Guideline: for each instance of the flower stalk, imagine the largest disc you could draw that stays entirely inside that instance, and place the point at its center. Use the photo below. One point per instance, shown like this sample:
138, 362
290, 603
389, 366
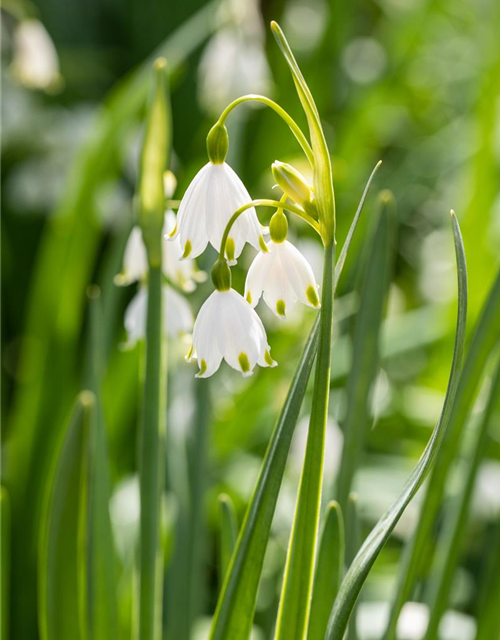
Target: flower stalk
153, 165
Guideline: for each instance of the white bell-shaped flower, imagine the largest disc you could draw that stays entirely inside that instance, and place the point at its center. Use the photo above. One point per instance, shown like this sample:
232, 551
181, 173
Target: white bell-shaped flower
284, 276
227, 327
215, 193
35, 63
183, 273
177, 316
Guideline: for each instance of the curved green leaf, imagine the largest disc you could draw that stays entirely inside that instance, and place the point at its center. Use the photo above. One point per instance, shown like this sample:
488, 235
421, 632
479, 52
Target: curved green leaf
368, 553
329, 572
448, 549
485, 337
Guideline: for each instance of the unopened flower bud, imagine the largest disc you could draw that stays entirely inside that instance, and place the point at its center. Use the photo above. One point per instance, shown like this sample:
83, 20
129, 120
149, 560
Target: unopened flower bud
292, 182
278, 227
217, 143
221, 275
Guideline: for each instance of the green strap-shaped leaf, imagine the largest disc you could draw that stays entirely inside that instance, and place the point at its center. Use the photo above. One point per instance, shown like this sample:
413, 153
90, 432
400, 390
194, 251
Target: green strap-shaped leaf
486, 336
228, 532
448, 549
5, 563
375, 284
329, 572
235, 609
488, 618
368, 553
62, 549
353, 543
100, 561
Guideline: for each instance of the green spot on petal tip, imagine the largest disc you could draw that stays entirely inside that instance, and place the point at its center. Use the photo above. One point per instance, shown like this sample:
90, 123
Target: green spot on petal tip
187, 249
312, 296
244, 362
280, 308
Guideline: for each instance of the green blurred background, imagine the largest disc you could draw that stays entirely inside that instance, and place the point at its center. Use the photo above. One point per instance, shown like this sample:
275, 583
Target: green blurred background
412, 82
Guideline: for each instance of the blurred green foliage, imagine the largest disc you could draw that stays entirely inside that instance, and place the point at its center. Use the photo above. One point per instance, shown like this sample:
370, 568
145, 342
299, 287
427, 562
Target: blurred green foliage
414, 83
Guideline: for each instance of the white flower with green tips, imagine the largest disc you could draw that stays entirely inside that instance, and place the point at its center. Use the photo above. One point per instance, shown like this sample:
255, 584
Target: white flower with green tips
177, 315
282, 274
228, 328
213, 196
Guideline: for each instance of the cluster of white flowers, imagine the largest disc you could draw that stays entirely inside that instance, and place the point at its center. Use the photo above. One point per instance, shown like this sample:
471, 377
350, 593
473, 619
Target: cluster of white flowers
217, 209
227, 326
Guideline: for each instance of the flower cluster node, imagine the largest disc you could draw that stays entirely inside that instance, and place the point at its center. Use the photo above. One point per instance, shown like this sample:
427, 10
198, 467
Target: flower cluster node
221, 275
217, 143
278, 227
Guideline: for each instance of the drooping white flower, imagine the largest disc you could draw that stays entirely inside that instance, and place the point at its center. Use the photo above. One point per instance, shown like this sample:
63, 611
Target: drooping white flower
35, 63
177, 316
284, 276
215, 193
227, 327
183, 273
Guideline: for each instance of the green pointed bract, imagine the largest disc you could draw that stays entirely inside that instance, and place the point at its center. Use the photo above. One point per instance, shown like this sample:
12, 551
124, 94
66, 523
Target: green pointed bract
291, 182
154, 162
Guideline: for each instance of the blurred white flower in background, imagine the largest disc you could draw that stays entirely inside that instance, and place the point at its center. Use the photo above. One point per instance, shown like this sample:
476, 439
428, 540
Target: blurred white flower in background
234, 61
35, 63
177, 316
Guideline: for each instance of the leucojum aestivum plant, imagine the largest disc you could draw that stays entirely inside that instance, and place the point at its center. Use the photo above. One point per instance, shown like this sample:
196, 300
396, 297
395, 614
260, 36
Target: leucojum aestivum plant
320, 583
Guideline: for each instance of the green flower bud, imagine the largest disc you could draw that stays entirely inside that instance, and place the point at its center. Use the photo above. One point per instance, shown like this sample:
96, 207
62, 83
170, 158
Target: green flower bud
278, 227
292, 182
217, 143
221, 275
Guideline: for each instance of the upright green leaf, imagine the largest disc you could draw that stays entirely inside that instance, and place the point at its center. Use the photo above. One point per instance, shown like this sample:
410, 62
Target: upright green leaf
235, 609
448, 549
62, 549
328, 573
228, 533
100, 562
373, 294
372, 546
485, 337
488, 617
5, 522
353, 543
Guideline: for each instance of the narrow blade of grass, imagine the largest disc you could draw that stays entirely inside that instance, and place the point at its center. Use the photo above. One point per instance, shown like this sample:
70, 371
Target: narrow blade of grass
5, 563
374, 288
448, 549
488, 618
353, 544
483, 341
228, 533
61, 564
235, 609
372, 546
329, 572
101, 569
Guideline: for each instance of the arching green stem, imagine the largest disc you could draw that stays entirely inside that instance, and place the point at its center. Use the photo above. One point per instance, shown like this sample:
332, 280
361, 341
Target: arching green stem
294, 127
279, 204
